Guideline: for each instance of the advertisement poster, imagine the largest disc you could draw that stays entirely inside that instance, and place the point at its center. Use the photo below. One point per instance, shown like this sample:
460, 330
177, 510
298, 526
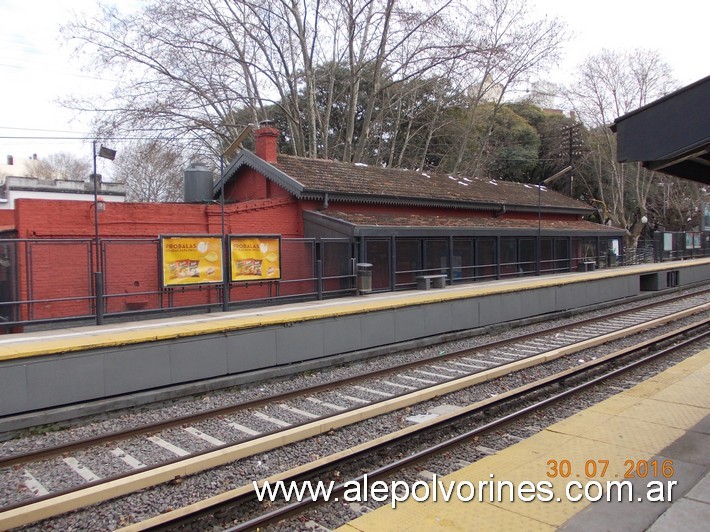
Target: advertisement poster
255, 258
191, 260
667, 241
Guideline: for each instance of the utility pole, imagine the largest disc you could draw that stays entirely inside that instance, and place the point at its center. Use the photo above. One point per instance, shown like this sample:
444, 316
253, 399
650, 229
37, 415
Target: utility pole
573, 146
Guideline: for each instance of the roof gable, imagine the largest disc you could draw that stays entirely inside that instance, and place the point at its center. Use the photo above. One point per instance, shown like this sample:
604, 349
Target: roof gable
250, 160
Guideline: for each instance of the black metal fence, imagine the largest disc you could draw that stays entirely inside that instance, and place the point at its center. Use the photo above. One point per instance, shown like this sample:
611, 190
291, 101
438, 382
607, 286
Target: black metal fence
50, 281
44, 282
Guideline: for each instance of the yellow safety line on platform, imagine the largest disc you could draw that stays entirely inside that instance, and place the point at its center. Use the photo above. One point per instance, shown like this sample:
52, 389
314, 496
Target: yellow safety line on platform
94, 337
630, 427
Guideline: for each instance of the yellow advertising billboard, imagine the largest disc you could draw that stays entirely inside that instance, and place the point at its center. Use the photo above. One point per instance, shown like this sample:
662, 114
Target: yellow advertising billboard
191, 260
255, 258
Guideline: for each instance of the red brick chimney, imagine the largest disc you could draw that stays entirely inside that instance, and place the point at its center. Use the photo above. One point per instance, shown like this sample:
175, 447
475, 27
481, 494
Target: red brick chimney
266, 138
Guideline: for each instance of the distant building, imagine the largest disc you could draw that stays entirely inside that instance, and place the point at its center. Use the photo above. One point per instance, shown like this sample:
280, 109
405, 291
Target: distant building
13, 188
18, 167
492, 92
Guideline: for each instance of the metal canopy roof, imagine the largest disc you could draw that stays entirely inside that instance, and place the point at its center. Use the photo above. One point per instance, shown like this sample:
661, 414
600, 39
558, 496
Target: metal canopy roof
334, 224
670, 135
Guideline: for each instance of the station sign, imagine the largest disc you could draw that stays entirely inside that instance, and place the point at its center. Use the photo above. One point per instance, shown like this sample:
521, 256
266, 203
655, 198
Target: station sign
255, 257
191, 259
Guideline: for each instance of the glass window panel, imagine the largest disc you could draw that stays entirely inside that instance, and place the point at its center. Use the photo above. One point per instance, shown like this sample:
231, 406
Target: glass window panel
436, 256
409, 260
508, 256
561, 254
527, 254
377, 252
463, 258
485, 258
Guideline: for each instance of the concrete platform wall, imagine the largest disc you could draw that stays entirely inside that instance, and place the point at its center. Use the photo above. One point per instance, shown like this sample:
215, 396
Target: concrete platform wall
53, 380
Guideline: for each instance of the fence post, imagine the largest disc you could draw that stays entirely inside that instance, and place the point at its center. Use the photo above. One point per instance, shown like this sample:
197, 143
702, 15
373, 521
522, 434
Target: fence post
99, 285
99, 288
319, 278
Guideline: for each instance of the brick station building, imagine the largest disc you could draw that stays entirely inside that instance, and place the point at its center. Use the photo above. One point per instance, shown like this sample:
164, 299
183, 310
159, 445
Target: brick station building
404, 223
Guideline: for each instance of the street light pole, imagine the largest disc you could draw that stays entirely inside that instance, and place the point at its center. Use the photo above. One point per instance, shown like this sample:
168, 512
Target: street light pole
546, 181
225, 248
98, 274
106, 153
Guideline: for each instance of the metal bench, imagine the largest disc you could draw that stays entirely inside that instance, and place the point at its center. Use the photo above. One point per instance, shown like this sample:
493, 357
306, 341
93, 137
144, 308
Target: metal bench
425, 282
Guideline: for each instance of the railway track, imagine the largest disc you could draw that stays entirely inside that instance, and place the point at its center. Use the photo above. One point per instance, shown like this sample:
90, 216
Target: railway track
426, 371
275, 421
511, 407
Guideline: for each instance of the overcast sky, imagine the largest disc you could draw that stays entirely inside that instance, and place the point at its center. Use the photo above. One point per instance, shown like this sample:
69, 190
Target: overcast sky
36, 70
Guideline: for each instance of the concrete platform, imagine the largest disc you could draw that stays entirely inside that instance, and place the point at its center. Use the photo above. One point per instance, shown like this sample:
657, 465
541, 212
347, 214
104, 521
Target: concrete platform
60, 368
663, 421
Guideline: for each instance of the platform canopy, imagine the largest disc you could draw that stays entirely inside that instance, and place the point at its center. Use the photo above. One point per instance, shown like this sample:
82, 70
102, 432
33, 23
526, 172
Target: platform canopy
331, 223
670, 135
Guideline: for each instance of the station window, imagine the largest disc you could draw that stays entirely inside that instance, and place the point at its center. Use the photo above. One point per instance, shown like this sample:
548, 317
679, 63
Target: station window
546, 256
336, 257
561, 255
409, 261
508, 257
463, 259
436, 256
485, 258
526, 255
577, 251
377, 252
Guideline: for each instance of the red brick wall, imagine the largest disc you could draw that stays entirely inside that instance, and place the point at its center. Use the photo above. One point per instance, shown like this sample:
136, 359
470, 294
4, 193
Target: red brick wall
75, 219
129, 234
275, 191
251, 185
7, 217
60, 271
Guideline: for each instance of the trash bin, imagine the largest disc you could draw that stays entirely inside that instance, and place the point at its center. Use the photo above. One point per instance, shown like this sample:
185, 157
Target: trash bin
364, 277
610, 259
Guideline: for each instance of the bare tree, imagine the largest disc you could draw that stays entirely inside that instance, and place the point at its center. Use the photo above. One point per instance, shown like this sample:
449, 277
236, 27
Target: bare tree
189, 68
152, 172
61, 166
182, 75
513, 48
675, 204
608, 85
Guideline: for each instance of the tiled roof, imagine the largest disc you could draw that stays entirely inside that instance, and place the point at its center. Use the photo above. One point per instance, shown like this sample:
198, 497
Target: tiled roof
385, 220
372, 183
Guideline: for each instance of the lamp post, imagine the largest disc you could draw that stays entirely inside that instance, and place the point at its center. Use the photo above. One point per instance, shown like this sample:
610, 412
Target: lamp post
105, 153
546, 181
225, 249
